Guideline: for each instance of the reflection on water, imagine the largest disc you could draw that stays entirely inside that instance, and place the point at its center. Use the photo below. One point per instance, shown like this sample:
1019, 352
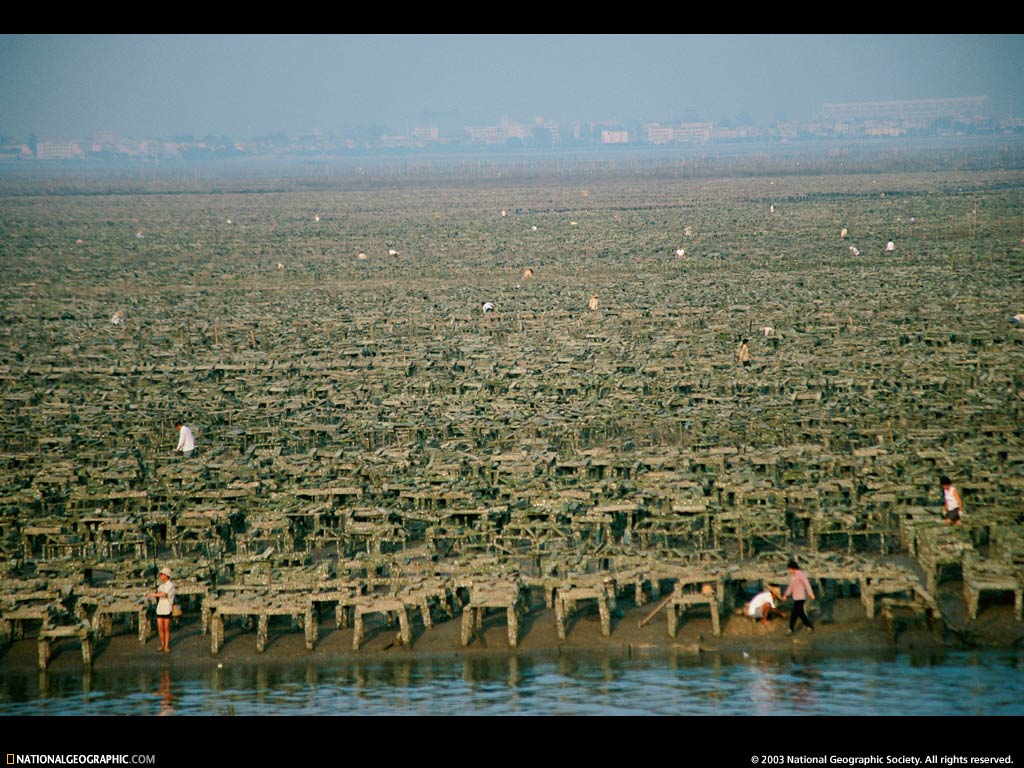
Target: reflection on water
166, 694
985, 683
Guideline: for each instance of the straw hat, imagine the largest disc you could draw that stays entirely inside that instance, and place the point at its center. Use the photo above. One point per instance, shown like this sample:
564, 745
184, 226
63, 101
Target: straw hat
165, 571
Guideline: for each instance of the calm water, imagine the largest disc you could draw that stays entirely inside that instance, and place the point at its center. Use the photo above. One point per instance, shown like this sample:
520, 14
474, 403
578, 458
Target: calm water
962, 683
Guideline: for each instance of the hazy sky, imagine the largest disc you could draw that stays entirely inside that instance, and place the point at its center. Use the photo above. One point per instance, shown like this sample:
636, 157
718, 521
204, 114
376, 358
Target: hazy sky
253, 85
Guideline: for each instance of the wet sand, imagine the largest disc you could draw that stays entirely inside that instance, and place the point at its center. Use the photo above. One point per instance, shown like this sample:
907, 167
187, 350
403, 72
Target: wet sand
841, 626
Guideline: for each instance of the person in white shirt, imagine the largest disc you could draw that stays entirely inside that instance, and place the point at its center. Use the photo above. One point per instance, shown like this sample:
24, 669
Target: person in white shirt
952, 504
164, 596
764, 605
186, 441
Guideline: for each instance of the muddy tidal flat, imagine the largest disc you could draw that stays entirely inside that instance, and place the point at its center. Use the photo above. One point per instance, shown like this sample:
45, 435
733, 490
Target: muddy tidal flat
383, 467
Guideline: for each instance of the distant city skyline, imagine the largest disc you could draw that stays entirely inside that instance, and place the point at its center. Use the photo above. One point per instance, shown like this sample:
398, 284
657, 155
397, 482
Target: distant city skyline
245, 86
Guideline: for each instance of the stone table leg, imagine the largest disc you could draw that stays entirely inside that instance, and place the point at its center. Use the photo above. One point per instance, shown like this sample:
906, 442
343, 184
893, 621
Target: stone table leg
513, 626
103, 625
357, 636
143, 626
86, 651
44, 652
971, 598
560, 612
404, 626
262, 630
312, 629
216, 633
606, 616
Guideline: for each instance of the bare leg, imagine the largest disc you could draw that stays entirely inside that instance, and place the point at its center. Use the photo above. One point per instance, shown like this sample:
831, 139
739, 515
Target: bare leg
164, 629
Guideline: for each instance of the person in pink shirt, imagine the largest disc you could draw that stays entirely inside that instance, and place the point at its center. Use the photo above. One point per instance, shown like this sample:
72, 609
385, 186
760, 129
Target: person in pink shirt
800, 591
952, 504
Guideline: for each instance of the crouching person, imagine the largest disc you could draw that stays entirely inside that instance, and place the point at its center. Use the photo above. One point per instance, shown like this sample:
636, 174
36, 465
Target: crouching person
765, 605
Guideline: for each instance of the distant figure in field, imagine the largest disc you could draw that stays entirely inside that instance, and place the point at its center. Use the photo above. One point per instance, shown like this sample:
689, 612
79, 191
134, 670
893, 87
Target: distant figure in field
486, 307
767, 330
743, 356
527, 273
186, 441
842, 233
680, 252
593, 303
1017, 319
118, 318
952, 504
764, 605
890, 247
800, 590
854, 251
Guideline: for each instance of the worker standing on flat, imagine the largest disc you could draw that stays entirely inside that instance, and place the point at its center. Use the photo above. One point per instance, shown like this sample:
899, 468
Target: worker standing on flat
743, 356
800, 591
186, 441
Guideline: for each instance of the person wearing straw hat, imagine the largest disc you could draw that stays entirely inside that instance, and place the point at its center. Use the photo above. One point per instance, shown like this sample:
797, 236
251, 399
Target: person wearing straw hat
165, 605
765, 604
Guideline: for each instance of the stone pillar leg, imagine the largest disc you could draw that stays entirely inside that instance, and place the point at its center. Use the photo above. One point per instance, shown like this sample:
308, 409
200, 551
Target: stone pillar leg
216, 633
513, 626
357, 636
312, 629
404, 626
144, 629
44, 652
262, 630
560, 617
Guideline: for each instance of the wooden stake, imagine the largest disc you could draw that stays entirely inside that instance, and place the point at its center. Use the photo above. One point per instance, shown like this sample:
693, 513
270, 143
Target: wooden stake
654, 613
